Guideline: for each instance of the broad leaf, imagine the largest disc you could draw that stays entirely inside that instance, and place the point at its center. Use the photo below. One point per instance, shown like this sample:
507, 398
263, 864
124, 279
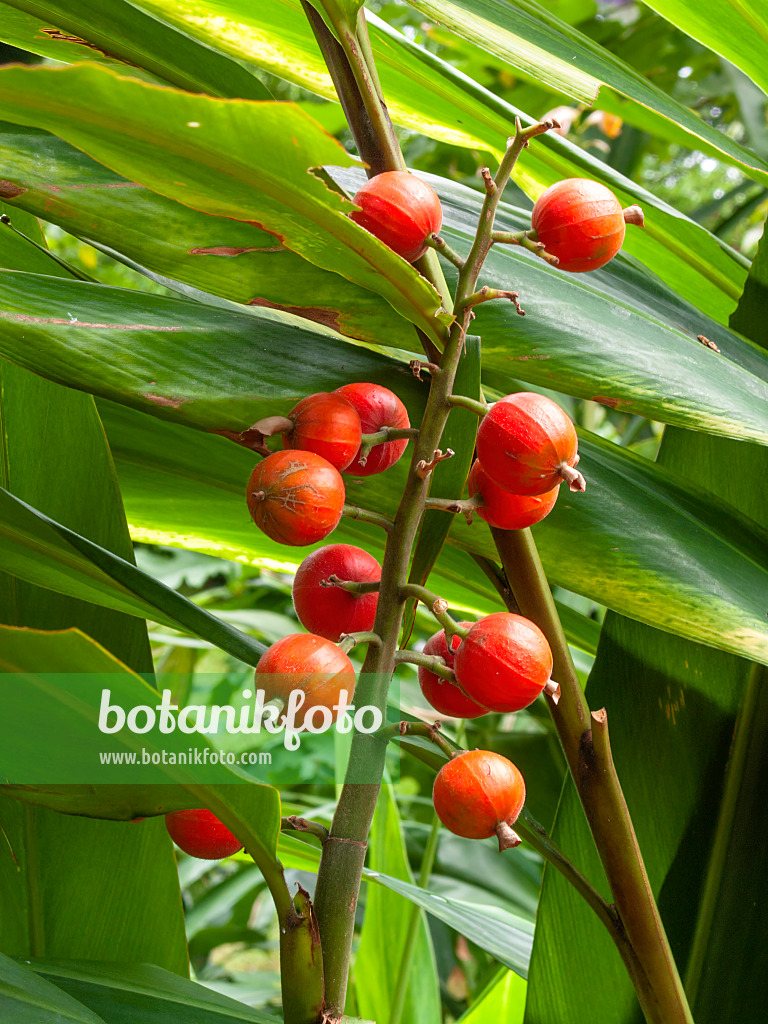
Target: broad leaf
129, 993
200, 151
26, 998
503, 999
379, 957
113, 32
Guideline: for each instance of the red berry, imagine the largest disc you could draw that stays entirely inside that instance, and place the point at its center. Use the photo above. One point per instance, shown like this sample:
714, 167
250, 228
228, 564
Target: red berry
401, 210
505, 510
295, 497
326, 424
330, 611
527, 445
503, 662
377, 407
579, 221
303, 661
200, 834
477, 793
441, 693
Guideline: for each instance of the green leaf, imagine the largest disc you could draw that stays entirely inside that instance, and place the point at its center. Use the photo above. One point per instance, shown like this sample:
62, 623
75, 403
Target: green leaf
27, 999
179, 359
129, 993
737, 31
503, 999
41, 551
429, 96
199, 150
385, 926
215, 254
120, 34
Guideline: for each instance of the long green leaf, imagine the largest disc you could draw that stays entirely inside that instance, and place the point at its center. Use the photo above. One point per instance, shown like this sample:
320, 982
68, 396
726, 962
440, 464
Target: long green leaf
26, 998
429, 96
129, 993
736, 29
201, 151
116, 33
41, 551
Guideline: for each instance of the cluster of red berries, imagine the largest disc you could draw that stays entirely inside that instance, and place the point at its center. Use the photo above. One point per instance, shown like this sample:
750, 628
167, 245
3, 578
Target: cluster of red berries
296, 496
526, 447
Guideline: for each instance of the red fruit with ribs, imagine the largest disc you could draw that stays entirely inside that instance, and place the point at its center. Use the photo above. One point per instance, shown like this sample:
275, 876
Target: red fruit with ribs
326, 424
505, 510
582, 223
442, 694
479, 794
504, 662
331, 611
377, 407
528, 445
399, 209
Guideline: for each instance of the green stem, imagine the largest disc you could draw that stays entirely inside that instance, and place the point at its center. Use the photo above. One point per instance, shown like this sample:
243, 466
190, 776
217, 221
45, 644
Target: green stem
528, 240
480, 408
440, 246
365, 515
351, 640
414, 922
433, 662
436, 604
429, 732
584, 739
350, 586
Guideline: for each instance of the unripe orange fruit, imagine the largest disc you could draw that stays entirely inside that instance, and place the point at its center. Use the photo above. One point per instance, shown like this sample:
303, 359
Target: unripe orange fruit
504, 510
326, 424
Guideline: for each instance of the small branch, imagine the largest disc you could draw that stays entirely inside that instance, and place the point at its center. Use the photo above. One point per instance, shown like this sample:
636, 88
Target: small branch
480, 408
417, 365
488, 182
350, 586
499, 580
486, 294
433, 662
458, 506
349, 641
437, 605
366, 516
440, 246
429, 732
526, 239
293, 823
370, 441
424, 467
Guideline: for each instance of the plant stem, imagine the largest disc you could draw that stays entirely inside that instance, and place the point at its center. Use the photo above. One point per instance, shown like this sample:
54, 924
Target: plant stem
414, 920
584, 738
429, 732
365, 515
431, 661
480, 408
350, 586
436, 604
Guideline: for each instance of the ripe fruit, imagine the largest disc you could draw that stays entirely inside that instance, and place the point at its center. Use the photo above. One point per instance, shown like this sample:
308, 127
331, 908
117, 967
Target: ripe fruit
330, 611
200, 834
505, 510
527, 445
399, 209
582, 223
303, 661
479, 793
295, 497
503, 662
441, 693
377, 407
326, 424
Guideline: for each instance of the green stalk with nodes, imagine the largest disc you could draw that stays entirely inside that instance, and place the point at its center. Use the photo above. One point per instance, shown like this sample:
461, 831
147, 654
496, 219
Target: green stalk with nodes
633, 922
